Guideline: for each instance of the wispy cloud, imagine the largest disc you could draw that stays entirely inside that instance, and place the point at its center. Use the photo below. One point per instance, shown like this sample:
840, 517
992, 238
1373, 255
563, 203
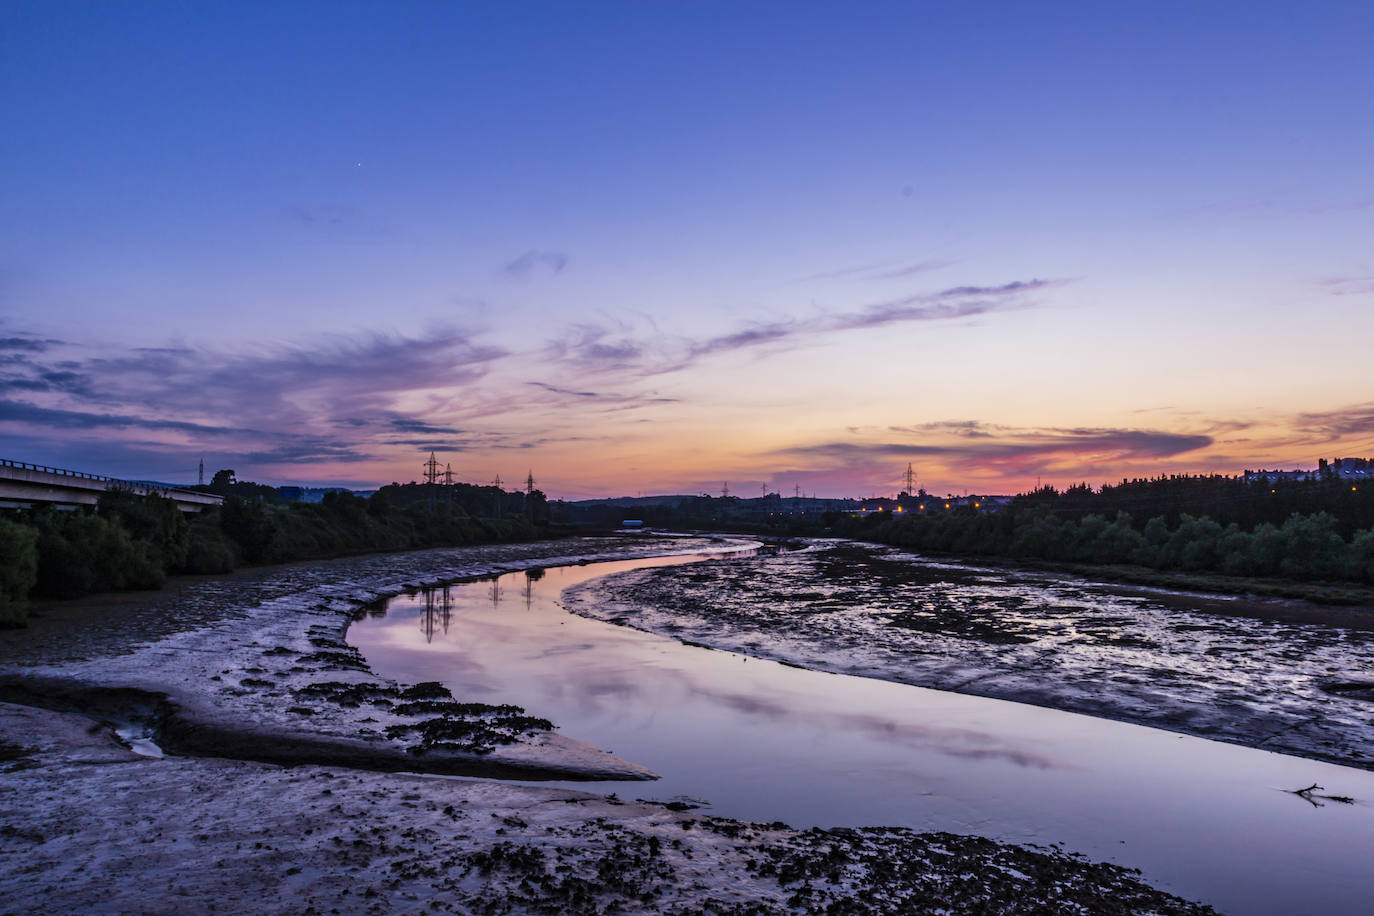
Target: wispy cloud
554, 389
910, 270
535, 261
883, 270
602, 401
861, 269
593, 348
1355, 420
1349, 286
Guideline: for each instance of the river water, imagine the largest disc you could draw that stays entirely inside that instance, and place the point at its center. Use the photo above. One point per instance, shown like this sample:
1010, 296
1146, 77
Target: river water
758, 740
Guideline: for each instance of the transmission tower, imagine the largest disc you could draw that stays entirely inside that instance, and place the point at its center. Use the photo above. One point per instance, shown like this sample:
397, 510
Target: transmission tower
200, 480
910, 479
725, 490
796, 492
529, 484
448, 475
497, 484
432, 469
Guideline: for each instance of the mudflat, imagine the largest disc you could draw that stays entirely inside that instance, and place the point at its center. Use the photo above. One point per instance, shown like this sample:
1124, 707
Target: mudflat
1275, 674
259, 657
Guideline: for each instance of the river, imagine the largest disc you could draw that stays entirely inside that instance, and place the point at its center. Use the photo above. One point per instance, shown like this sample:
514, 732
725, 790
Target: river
758, 740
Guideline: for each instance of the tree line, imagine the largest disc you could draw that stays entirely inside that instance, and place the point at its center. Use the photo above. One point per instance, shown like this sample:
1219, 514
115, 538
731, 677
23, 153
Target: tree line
135, 542
1304, 547
1309, 530
1244, 501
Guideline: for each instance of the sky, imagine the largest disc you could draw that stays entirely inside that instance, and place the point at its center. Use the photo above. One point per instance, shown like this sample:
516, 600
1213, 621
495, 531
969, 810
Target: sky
656, 247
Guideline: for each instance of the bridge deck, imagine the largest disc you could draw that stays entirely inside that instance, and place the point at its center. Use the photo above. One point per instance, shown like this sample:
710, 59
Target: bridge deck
23, 484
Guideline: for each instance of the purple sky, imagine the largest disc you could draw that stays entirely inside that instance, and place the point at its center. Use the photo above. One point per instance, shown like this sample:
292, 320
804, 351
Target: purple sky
655, 247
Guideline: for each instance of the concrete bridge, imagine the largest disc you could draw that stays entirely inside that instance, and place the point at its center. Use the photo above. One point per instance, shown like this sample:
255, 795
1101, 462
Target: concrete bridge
23, 485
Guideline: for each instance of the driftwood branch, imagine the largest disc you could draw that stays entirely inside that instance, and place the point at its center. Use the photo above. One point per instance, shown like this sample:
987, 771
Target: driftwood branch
1308, 795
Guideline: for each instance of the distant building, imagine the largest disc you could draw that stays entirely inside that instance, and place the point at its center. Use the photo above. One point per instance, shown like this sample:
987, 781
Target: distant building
1337, 469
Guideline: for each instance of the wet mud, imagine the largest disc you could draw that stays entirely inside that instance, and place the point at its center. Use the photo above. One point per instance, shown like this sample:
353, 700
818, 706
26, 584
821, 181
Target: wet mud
87, 826
1238, 670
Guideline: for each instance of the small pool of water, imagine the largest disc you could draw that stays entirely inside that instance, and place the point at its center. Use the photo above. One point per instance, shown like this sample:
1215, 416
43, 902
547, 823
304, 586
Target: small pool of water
139, 739
762, 741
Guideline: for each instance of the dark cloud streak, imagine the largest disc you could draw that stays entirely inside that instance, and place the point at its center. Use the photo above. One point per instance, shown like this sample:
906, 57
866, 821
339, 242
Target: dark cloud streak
52, 418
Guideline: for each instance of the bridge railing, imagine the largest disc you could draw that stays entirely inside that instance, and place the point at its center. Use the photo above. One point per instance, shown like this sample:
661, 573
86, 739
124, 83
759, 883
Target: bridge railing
100, 478
26, 466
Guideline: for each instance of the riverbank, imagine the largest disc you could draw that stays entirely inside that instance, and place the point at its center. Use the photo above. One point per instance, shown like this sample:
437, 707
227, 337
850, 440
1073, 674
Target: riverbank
1330, 597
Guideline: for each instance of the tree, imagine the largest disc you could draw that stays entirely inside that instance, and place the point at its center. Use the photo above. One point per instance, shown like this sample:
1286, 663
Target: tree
18, 571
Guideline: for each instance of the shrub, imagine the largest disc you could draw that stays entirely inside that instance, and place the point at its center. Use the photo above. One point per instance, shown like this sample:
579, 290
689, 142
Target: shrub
153, 520
79, 554
208, 548
18, 571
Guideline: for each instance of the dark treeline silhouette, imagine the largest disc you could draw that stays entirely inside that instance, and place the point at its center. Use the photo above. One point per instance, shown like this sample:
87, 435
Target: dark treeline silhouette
476, 500
1304, 530
135, 542
1304, 547
1258, 526
1226, 500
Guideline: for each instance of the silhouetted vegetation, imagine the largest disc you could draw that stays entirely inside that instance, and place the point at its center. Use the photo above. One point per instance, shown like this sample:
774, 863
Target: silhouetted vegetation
1253, 527
80, 553
1225, 500
135, 542
18, 571
1303, 548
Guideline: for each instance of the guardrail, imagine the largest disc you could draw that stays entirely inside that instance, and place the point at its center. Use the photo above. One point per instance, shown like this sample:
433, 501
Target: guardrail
101, 478
26, 466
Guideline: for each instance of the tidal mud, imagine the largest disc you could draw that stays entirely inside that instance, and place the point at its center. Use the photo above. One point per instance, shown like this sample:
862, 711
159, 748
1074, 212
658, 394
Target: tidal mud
1250, 672
88, 826
255, 667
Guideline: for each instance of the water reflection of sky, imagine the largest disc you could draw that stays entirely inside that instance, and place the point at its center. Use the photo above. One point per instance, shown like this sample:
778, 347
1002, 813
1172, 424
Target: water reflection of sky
765, 741
1185, 663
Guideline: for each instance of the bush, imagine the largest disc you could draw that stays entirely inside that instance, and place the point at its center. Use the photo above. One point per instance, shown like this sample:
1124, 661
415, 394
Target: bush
1360, 558
18, 571
1314, 548
250, 527
208, 548
79, 554
153, 520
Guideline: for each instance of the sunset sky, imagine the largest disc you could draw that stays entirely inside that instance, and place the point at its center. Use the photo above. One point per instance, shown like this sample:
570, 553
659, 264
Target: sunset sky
652, 247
